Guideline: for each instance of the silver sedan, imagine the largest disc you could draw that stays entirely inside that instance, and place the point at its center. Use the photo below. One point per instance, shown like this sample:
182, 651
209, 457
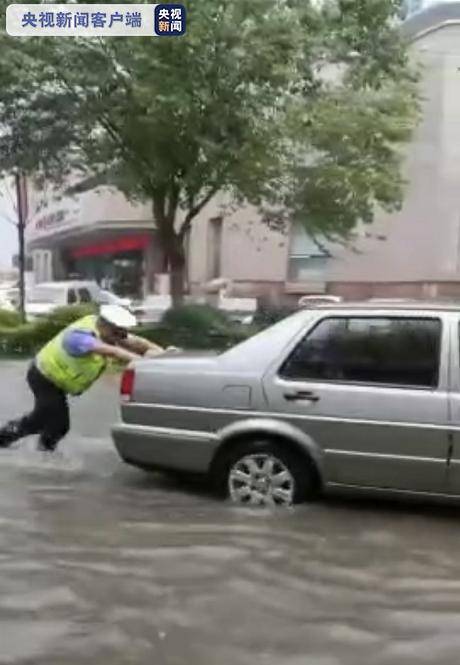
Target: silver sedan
354, 398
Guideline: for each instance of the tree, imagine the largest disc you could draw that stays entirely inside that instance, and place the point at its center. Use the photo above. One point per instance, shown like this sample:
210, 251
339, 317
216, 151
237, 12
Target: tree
18, 218
298, 108
21, 203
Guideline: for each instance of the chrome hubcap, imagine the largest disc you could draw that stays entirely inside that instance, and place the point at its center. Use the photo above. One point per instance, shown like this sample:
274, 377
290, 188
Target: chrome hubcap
261, 480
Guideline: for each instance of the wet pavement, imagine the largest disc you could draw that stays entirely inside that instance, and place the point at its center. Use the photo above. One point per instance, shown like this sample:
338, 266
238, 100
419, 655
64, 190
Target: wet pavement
100, 563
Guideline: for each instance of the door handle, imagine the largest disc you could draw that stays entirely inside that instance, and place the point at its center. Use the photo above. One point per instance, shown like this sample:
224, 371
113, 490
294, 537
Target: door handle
301, 395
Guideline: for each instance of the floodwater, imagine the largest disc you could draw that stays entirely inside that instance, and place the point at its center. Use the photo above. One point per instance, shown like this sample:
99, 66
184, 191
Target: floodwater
102, 564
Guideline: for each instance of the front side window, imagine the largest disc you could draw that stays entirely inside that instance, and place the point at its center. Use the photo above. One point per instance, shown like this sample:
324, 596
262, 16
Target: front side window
393, 351
71, 297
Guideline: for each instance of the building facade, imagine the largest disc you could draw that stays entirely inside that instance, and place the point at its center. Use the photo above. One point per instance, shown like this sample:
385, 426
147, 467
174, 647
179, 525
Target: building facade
416, 252
412, 253
237, 245
97, 235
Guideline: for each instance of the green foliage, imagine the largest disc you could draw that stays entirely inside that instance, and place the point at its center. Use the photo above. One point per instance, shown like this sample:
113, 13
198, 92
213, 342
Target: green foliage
64, 316
196, 327
47, 327
185, 338
297, 107
9, 319
27, 338
200, 319
190, 327
18, 341
267, 316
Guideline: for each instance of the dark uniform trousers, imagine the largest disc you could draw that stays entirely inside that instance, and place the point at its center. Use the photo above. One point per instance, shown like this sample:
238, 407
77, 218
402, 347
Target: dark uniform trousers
49, 418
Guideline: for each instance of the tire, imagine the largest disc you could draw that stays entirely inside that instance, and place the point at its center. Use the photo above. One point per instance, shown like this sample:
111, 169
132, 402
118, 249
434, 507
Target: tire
265, 472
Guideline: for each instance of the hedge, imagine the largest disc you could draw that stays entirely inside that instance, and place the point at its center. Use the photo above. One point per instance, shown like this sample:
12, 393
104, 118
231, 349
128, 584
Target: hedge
9, 319
191, 326
267, 316
26, 338
197, 327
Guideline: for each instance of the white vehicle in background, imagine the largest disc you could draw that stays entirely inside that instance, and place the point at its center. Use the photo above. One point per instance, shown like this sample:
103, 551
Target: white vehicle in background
152, 308
43, 298
109, 298
6, 301
7, 290
240, 310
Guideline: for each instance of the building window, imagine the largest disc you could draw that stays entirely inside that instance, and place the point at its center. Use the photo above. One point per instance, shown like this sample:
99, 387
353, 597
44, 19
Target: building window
307, 258
215, 247
42, 266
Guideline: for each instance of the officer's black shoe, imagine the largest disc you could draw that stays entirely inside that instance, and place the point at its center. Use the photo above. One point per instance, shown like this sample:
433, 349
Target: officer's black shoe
45, 446
9, 433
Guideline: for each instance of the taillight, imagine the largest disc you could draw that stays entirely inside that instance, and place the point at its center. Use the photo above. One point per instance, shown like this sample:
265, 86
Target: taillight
127, 385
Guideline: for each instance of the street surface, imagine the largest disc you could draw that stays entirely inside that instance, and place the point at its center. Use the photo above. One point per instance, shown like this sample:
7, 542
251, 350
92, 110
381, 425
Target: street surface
105, 565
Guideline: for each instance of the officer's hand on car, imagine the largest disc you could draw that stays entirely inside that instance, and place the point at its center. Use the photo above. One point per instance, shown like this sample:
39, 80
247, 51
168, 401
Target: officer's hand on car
155, 354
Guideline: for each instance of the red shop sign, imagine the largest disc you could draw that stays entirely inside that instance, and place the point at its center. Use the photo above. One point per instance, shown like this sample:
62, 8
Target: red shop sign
116, 246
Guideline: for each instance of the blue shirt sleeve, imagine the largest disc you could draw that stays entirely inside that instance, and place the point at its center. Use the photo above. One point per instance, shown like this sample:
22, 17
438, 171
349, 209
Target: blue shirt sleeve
79, 343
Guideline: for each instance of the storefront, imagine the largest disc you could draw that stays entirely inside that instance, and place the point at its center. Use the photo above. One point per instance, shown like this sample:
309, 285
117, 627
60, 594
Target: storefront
118, 264
97, 235
122, 257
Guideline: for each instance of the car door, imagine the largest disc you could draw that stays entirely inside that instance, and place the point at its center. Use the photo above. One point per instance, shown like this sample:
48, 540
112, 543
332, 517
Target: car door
104, 298
372, 392
454, 410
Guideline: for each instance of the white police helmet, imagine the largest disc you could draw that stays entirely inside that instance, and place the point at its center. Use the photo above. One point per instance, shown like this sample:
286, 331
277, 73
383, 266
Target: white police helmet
117, 316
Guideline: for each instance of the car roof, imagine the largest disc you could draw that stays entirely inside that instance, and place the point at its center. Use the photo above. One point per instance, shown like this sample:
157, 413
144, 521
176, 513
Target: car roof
382, 305
60, 285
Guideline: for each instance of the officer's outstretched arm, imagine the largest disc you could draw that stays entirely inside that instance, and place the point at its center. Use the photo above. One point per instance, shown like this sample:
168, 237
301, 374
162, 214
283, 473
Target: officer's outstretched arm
115, 352
140, 345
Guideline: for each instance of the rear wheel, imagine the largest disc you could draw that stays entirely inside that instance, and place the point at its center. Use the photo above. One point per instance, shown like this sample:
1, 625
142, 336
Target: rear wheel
266, 473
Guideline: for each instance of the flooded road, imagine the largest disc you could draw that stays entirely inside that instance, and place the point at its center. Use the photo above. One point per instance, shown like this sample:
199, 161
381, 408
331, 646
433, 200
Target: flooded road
102, 564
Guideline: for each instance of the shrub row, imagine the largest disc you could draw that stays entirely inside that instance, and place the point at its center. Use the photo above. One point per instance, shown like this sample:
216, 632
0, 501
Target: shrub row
267, 316
25, 339
9, 319
197, 327
191, 326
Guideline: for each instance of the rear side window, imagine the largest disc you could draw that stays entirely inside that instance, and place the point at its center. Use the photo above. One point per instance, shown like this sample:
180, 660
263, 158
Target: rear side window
85, 295
384, 351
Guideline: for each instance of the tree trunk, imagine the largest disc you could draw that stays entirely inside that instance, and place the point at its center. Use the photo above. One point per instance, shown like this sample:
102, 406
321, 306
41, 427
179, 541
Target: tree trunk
21, 211
176, 261
172, 244
177, 277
